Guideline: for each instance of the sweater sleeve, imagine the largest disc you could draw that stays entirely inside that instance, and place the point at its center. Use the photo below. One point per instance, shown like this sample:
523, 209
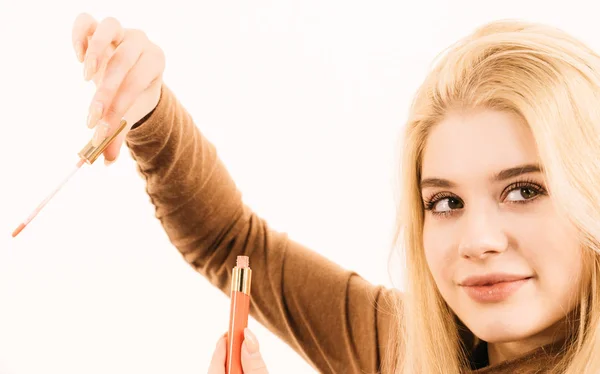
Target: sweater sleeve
332, 317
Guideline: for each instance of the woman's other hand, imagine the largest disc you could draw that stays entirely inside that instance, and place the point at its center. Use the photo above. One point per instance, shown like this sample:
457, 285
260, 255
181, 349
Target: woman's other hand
252, 361
127, 70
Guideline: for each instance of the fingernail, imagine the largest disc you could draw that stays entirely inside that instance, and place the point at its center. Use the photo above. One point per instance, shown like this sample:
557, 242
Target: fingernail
94, 115
250, 342
222, 340
108, 162
100, 134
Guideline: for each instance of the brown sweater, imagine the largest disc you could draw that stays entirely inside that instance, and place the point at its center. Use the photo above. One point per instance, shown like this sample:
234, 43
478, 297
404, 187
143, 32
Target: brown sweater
332, 317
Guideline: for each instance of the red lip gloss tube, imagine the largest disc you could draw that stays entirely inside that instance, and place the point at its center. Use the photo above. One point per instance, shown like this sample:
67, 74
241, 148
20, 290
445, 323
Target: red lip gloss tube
238, 314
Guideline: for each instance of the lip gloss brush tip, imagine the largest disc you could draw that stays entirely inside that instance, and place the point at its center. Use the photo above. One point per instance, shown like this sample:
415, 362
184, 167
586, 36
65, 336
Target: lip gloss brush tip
18, 230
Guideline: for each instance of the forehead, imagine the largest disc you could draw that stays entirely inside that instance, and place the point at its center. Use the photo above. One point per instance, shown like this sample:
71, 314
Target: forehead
477, 143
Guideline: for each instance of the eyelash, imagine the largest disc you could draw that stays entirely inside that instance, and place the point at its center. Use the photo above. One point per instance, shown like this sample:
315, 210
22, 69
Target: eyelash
431, 201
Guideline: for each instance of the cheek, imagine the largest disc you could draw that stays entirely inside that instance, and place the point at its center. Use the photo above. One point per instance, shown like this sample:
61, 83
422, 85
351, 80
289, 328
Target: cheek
440, 252
550, 246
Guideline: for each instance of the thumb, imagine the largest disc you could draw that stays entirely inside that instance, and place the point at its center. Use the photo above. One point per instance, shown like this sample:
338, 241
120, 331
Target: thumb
217, 363
112, 151
252, 361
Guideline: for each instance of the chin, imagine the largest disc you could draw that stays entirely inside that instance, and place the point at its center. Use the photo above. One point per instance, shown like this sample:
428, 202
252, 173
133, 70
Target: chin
507, 326
500, 332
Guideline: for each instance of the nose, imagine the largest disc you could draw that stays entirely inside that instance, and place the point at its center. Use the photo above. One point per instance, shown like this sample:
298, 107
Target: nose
483, 234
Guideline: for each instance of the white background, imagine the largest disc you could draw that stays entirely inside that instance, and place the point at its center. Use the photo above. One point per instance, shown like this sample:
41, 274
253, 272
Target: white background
304, 100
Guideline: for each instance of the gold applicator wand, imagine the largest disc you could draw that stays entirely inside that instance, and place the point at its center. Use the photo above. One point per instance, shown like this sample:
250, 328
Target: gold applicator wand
87, 155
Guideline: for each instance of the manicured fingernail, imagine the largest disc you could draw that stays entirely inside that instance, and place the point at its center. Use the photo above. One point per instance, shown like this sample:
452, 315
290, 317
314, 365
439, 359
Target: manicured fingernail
94, 115
108, 162
79, 51
221, 341
250, 342
100, 134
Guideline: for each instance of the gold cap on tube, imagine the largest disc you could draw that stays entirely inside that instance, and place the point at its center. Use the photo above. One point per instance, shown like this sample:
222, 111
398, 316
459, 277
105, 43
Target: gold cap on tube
242, 275
89, 153
241, 280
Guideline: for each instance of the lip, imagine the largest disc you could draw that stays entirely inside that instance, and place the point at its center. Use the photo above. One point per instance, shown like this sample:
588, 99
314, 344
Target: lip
493, 287
491, 279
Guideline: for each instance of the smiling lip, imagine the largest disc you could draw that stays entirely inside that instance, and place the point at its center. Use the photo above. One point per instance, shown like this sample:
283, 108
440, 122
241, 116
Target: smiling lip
493, 287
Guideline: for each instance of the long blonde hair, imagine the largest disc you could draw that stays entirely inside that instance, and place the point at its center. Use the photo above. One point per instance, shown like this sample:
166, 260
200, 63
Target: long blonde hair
552, 81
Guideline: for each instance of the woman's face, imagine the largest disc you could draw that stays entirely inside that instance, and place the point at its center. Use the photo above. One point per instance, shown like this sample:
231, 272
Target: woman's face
504, 259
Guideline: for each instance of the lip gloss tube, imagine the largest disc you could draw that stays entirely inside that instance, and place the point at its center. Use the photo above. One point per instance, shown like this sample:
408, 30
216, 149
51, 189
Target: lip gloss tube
238, 314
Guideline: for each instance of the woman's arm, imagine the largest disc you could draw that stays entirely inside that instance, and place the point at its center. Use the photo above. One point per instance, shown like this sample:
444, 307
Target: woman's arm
332, 317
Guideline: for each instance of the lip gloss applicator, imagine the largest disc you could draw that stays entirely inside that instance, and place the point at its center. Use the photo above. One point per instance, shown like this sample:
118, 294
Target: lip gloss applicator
87, 155
238, 316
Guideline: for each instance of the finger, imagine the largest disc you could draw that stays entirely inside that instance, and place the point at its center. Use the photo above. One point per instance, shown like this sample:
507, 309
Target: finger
144, 74
217, 363
113, 150
121, 62
108, 32
252, 361
83, 28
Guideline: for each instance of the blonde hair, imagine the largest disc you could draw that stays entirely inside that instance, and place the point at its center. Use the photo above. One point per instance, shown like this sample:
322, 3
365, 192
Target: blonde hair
551, 81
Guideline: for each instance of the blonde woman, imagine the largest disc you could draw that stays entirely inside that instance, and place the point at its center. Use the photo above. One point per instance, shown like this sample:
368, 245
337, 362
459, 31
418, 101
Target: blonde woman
498, 215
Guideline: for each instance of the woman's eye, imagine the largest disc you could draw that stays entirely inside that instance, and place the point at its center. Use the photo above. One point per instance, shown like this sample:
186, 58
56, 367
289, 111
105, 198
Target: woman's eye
447, 204
521, 194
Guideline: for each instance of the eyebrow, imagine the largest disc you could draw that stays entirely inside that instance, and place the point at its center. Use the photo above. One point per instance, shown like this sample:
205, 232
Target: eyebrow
500, 176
